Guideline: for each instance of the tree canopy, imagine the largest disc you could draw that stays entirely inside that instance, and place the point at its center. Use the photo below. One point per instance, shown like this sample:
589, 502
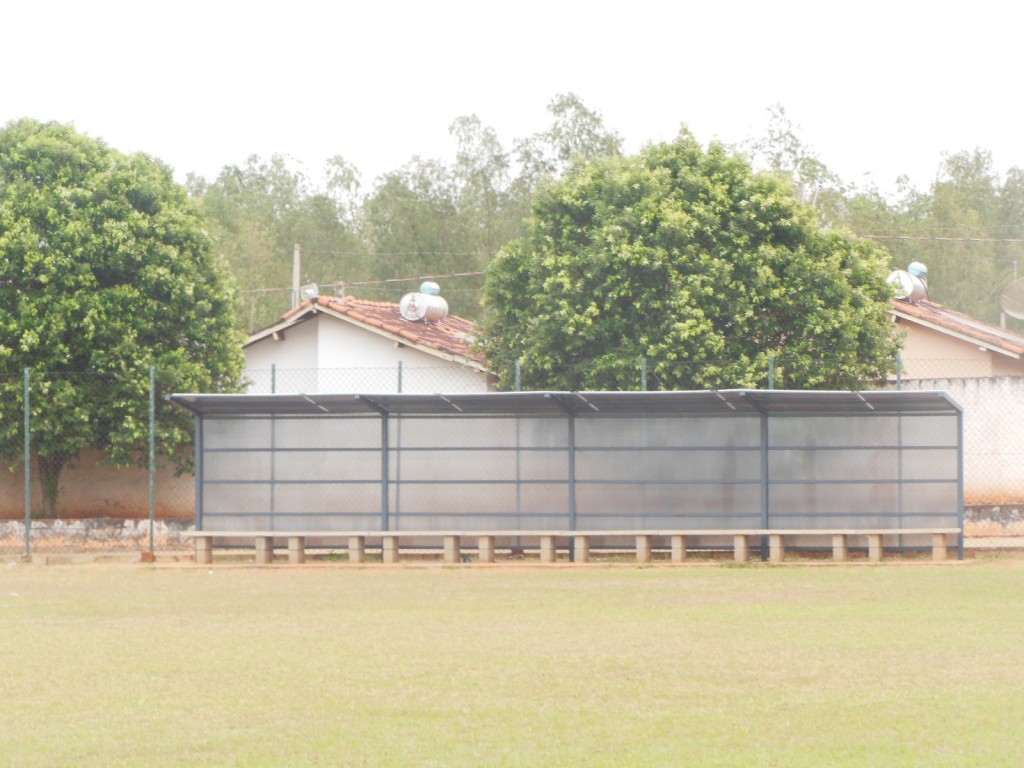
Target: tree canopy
105, 270
689, 260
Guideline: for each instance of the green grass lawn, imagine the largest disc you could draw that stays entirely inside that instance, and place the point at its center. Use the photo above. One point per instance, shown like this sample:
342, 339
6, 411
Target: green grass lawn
711, 665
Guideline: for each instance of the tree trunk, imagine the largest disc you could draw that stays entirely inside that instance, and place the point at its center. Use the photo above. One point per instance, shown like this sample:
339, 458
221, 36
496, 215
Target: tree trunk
49, 481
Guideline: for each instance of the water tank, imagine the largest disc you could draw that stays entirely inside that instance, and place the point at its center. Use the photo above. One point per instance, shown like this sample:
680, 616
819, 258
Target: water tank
423, 308
907, 287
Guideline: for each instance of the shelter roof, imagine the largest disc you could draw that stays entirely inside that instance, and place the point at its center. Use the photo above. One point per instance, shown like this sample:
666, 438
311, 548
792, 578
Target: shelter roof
545, 404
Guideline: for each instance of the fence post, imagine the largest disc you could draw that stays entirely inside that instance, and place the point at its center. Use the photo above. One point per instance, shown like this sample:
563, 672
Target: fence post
273, 378
152, 454
399, 377
771, 371
899, 371
28, 465
643, 374
519, 374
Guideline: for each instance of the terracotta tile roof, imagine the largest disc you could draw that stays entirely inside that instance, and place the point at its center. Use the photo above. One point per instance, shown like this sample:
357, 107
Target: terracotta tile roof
959, 324
451, 336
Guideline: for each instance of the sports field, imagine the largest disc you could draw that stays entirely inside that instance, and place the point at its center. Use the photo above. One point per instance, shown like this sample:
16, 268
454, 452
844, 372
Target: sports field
706, 665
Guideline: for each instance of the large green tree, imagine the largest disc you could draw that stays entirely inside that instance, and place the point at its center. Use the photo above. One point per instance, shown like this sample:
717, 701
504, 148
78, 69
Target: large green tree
688, 259
105, 270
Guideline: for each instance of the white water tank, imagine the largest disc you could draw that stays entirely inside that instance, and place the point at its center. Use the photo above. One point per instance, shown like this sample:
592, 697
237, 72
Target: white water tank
423, 308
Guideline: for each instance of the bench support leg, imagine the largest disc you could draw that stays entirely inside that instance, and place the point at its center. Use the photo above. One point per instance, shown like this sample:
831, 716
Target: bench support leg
204, 550
547, 549
581, 550
296, 549
740, 548
776, 548
264, 550
939, 546
357, 549
643, 549
678, 548
452, 549
389, 550
485, 549
875, 547
840, 552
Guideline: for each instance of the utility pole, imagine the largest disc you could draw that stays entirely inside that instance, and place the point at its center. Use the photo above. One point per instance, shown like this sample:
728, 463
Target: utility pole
296, 272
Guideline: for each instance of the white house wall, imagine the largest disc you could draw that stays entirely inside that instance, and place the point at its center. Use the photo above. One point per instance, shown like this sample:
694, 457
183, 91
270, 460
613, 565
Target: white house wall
328, 354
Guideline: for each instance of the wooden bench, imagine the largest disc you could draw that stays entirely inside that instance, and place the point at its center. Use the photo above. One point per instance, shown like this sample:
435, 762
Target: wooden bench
452, 542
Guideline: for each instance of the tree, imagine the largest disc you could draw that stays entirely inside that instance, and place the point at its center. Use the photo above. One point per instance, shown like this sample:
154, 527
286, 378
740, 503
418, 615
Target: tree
688, 259
259, 211
105, 270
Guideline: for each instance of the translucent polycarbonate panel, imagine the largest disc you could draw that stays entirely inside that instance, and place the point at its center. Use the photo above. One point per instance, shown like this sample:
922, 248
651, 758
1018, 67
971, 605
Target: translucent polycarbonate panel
834, 465
348, 523
236, 433
326, 498
638, 465
939, 429
936, 464
248, 521
834, 431
671, 431
469, 522
237, 465
477, 498
932, 498
233, 498
697, 502
325, 466
828, 499
478, 465
461, 432
324, 433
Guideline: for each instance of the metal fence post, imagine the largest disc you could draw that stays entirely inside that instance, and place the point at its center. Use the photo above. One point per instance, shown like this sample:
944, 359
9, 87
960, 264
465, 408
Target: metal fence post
519, 374
152, 455
399, 377
771, 371
273, 378
899, 371
643, 374
28, 467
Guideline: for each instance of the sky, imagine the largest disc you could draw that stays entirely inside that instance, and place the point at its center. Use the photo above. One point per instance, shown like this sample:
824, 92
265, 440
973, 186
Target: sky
877, 89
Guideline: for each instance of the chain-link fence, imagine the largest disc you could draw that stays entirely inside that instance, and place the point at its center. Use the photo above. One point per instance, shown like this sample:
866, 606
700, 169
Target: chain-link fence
94, 462
84, 478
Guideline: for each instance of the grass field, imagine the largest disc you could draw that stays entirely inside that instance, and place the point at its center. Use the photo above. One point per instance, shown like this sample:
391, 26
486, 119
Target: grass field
712, 665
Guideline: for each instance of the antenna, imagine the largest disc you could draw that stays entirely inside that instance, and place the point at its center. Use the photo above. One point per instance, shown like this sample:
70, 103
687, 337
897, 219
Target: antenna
1012, 300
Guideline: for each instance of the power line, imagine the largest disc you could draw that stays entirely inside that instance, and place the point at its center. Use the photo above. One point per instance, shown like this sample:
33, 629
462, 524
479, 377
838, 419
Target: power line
343, 284
936, 238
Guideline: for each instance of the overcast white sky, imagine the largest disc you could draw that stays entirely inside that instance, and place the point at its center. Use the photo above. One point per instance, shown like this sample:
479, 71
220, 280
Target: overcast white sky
879, 89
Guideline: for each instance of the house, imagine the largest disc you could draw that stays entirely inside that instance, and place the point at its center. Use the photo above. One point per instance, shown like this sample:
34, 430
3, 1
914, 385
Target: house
345, 344
942, 343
